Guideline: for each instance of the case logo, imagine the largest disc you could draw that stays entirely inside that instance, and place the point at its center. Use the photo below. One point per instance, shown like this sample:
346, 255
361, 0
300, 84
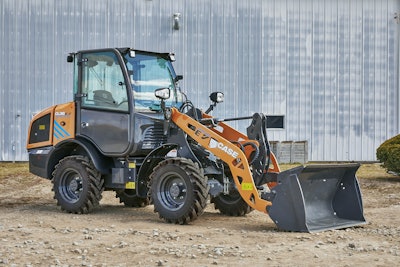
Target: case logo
215, 144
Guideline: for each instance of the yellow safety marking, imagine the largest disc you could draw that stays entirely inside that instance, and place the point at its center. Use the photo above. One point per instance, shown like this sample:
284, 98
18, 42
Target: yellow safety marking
132, 165
130, 185
247, 186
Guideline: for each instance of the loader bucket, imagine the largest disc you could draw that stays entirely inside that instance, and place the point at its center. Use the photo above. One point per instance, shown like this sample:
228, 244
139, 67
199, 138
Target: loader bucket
317, 198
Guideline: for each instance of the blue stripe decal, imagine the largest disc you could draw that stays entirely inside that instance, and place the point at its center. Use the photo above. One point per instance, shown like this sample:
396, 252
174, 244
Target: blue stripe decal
62, 129
59, 131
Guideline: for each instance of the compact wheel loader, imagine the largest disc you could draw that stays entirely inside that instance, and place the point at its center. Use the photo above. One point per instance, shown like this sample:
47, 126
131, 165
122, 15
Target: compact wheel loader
130, 129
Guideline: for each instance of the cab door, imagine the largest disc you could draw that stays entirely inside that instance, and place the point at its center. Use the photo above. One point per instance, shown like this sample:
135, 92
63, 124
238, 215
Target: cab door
102, 102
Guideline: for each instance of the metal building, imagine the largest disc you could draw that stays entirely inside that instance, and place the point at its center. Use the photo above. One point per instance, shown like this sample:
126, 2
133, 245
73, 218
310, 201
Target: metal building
330, 67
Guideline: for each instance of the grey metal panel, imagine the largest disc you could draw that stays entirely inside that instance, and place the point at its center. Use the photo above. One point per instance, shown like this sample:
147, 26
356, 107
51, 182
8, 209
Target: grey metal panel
331, 67
343, 100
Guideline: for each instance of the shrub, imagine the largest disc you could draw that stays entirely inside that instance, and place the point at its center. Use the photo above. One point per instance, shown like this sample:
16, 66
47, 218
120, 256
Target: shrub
389, 154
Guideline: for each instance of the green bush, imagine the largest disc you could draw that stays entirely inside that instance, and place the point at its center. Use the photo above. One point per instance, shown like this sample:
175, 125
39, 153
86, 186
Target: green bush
389, 154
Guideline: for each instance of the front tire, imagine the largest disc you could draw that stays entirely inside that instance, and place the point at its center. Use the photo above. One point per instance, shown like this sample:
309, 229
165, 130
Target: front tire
77, 185
178, 190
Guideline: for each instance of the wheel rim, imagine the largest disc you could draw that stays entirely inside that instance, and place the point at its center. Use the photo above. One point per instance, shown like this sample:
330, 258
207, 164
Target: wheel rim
71, 185
172, 191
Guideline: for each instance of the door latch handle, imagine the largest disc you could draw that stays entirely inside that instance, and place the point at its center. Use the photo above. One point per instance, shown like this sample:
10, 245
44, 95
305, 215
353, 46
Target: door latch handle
80, 95
84, 124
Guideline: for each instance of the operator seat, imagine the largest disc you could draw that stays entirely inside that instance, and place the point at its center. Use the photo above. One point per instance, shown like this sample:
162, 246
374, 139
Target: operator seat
103, 98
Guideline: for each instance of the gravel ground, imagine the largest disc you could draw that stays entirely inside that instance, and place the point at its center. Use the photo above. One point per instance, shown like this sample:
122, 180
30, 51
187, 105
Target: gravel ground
34, 232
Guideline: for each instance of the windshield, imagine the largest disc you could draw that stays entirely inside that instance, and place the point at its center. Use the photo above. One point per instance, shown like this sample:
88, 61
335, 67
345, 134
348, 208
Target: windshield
150, 72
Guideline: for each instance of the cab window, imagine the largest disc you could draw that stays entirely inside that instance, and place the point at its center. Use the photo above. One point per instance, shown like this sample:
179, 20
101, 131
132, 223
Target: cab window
147, 73
102, 82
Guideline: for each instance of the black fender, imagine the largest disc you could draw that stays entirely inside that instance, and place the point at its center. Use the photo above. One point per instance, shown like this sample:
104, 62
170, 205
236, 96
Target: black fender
149, 163
79, 147
177, 140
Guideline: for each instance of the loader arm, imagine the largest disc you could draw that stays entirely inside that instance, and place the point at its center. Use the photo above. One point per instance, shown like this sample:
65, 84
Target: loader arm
227, 151
231, 134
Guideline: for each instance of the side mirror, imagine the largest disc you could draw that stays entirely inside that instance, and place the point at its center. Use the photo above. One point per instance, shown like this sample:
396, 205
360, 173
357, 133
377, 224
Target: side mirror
162, 93
178, 78
217, 97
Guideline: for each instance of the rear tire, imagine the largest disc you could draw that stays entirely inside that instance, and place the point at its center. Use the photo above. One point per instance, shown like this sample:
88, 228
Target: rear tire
129, 198
231, 205
77, 185
178, 190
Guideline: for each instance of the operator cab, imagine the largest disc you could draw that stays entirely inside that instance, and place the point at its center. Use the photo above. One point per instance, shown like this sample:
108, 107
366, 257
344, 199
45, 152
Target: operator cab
117, 110
108, 78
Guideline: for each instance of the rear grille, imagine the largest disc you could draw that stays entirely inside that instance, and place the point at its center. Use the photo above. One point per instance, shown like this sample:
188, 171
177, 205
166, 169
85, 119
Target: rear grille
40, 130
154, 137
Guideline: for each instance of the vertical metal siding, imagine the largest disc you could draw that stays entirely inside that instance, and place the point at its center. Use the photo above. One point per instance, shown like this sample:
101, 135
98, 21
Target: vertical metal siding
331, 67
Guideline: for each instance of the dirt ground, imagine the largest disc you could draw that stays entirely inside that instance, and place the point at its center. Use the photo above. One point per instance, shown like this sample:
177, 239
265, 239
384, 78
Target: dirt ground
34, 232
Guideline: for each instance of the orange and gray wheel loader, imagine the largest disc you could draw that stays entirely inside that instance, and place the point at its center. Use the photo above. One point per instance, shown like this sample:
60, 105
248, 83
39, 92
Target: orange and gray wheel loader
130, 129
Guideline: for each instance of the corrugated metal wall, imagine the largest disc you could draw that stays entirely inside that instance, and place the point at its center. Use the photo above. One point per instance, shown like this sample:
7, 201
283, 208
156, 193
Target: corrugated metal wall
331, 67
